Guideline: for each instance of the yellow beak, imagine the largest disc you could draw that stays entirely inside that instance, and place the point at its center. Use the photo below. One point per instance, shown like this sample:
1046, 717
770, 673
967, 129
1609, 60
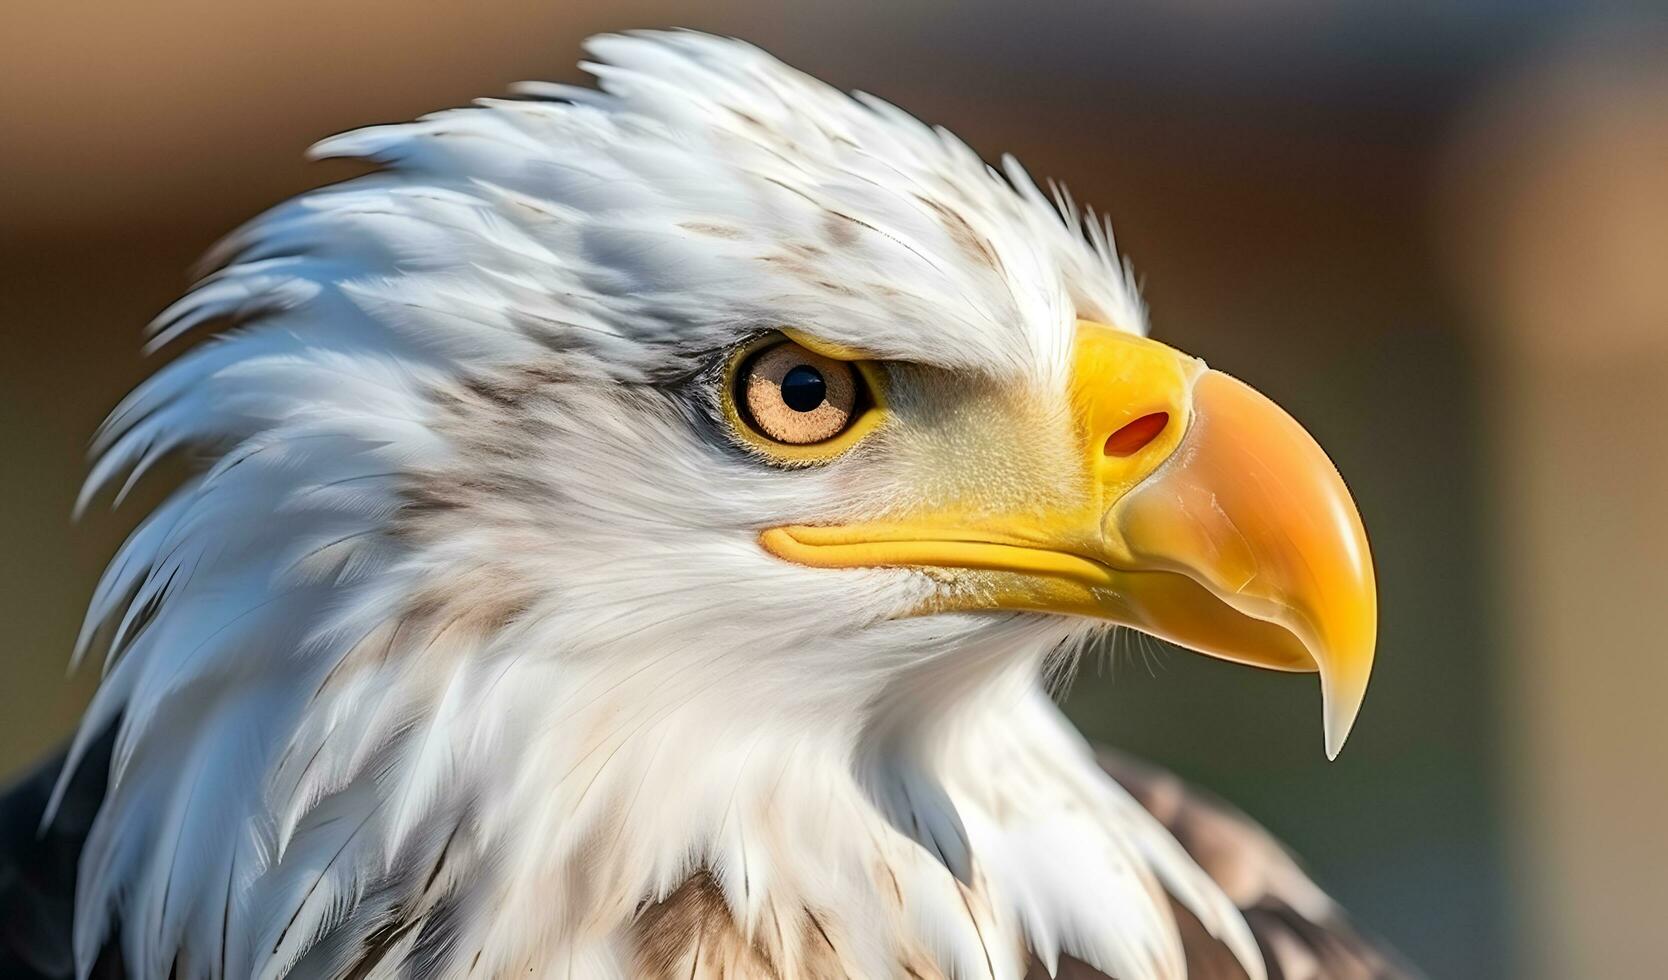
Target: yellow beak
1207, 517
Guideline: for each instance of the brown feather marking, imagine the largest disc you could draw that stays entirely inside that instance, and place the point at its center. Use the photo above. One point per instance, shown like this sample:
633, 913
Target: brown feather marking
691, 933
976, 246
690, 924
841, 233
816, 923
1260, 877
712, 230
819, 957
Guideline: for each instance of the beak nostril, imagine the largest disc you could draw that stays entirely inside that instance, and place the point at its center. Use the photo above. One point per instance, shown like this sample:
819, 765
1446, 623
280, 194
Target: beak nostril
1130, 439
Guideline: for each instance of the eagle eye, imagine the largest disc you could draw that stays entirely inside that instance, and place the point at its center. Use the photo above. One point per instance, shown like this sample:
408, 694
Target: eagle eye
796, 405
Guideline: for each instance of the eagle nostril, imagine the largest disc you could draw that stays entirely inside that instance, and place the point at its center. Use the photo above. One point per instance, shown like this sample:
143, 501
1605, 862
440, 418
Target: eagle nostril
1129, 440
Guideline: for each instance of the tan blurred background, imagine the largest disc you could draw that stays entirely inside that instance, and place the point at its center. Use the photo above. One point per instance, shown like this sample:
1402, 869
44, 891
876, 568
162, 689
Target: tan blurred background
1438, 232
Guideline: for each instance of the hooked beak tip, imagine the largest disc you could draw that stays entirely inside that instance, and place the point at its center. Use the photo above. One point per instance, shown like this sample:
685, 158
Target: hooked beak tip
1342, 692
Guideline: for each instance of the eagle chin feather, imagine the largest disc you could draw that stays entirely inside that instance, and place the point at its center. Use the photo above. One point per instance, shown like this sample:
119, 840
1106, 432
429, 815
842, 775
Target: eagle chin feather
458, 657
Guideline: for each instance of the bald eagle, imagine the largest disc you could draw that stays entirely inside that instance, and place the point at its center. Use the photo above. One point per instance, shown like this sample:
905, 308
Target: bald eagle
633, 527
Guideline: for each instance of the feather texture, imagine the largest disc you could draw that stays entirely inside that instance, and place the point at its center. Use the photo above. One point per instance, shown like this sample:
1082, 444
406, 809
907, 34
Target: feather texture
693, 931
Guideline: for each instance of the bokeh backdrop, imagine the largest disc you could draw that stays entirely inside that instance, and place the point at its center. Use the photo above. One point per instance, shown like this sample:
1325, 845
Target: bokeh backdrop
1437, 232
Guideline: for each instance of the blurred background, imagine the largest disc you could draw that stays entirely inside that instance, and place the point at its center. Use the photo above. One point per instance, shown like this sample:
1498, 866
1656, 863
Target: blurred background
1436, 232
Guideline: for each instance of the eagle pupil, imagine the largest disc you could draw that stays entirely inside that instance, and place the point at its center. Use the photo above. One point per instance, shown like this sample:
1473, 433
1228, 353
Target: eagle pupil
803, 388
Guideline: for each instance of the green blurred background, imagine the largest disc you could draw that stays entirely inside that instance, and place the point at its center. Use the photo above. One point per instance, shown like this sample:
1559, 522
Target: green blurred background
1436, 232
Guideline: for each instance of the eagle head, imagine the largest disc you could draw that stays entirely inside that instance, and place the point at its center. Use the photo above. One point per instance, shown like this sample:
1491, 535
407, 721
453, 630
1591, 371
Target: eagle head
682, 480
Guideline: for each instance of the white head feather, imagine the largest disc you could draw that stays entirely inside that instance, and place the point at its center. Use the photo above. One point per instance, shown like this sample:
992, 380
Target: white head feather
466, 623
